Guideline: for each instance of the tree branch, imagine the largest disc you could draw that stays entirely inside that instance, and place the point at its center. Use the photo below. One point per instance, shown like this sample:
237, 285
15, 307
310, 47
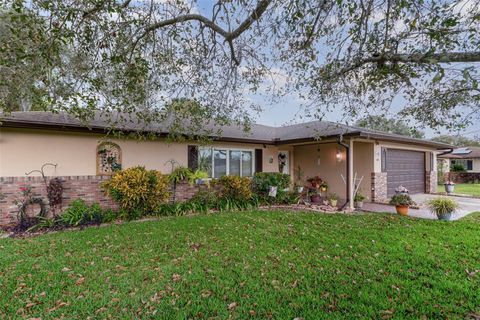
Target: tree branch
99, 7
254, 16
429, 58
228, 36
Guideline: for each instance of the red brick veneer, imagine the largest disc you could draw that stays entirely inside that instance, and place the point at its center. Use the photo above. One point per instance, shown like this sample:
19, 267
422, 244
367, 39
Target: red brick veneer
75, 187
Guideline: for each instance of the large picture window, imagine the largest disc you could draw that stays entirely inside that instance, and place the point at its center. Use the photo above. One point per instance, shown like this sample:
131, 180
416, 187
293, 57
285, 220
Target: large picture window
219, 162
467, 164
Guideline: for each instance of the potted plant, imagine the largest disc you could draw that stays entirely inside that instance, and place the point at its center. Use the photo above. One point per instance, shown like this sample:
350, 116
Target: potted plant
358, 200
333, 198
323, 186
401, 190
402, 202
315, 182
314, 196
198, 177
449, 186
299, 177
444, 208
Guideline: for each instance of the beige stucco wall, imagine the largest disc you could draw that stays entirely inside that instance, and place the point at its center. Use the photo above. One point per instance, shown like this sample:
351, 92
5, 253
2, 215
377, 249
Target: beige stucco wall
475, 165
363, 166
23, 150
320, 160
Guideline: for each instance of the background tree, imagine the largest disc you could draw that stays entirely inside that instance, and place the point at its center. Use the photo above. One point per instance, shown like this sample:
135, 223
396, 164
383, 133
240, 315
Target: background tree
134, 57
384, 124
458, 141
24, 68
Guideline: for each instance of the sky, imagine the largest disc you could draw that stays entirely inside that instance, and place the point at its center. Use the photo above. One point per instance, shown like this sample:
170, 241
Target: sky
286, 110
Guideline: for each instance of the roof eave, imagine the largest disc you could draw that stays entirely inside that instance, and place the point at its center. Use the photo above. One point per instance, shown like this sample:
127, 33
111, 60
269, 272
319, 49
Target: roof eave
418, 142
101, 130
316, 139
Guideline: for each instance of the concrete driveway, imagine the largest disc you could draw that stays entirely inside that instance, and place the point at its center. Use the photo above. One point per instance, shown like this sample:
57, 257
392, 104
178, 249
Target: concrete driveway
466, 206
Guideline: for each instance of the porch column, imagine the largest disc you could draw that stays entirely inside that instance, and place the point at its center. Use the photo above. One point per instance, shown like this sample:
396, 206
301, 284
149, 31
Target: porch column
350, 182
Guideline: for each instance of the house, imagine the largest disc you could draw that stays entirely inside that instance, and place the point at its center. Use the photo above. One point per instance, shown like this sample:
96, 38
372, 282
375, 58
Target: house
380, 162
467, 157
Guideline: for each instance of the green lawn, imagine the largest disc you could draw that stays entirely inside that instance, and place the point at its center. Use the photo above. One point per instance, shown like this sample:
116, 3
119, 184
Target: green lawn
240, 265
472, 189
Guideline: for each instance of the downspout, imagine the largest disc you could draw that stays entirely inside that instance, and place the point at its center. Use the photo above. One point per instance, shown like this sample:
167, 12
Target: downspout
450, 150
445, 152
347, 178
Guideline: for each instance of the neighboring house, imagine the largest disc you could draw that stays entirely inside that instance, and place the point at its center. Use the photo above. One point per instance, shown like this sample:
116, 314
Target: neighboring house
468, 157
332, 151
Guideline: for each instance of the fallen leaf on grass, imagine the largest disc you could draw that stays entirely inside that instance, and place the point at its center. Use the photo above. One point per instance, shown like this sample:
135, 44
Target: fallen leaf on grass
80, 281
232, 306
176, 277
206, 293
58, 306
195, 246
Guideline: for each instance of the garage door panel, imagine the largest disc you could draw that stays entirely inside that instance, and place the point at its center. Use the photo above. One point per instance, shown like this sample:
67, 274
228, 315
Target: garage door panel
406, 168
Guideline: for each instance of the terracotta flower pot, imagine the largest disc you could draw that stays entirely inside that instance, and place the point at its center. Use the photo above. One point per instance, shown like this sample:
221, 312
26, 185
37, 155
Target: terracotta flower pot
402, 210
315, 199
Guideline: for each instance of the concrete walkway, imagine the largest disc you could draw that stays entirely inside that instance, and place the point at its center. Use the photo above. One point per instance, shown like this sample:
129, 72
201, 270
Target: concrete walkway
466, 206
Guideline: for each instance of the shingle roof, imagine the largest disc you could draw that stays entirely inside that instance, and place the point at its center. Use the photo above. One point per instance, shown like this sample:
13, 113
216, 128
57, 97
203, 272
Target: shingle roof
258, 133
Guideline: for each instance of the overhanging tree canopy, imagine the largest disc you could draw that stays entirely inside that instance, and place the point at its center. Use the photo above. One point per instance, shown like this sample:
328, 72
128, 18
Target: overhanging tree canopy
135, 57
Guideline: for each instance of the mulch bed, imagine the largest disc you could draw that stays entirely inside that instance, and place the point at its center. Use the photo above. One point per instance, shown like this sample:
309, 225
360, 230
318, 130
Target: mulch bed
16, 231
322, 208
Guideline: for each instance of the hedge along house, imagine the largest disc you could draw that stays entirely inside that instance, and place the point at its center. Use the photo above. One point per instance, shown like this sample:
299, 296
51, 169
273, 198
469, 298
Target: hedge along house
335, 152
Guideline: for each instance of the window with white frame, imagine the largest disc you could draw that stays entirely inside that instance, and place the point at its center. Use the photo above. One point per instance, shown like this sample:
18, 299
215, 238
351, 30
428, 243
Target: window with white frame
467, 164
222, 161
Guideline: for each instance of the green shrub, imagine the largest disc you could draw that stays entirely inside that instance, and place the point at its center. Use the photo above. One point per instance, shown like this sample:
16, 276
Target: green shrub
204, 200
94, 214
180, 174
457, 168
235, 204
43, 223
171, 209
132, 214
442, 206
263, 180
235, 187
288, 198
109, 215
76, 214
137, 189
79, 213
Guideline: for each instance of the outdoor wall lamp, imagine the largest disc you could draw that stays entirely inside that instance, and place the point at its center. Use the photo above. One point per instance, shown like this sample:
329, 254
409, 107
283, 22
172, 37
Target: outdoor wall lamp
339, 156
